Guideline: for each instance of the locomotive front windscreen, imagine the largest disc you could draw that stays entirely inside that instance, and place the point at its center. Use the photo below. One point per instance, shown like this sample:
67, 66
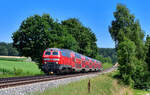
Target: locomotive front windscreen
47, 53
55, 53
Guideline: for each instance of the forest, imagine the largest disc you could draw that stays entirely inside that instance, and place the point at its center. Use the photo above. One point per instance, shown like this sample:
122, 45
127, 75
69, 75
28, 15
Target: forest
7, 49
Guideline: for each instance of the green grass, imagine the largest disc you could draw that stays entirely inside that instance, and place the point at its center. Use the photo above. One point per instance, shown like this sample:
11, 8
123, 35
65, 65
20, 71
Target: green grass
101, 85
12, 59
140, 92
18, 68
107, 65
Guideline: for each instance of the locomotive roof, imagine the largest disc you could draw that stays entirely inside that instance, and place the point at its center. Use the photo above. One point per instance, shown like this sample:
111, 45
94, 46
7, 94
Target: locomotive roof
67, 50
49, 49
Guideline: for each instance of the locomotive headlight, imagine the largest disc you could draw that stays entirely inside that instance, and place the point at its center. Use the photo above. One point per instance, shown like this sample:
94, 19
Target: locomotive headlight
56, 62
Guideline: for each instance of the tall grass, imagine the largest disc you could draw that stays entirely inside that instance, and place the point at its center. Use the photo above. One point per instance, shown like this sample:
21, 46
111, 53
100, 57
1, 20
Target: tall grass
101, 85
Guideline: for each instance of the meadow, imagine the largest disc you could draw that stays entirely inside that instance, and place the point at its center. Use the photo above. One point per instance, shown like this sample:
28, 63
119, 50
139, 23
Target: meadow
12, 67
107, 65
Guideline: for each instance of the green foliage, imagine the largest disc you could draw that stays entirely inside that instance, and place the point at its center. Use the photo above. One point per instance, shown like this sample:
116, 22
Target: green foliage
126, 56
109, 53
125, 26
37, 33
103, 59
147, 59
7, 49
84, 36
128, 35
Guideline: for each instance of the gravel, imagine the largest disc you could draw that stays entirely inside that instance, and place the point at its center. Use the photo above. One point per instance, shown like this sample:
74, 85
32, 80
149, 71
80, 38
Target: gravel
41, 86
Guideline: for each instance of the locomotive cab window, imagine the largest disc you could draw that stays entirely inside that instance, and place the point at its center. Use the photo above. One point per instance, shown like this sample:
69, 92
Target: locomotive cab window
47, 53
55, 53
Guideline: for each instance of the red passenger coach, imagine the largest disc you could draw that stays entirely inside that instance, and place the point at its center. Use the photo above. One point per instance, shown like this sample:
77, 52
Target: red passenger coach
63, 61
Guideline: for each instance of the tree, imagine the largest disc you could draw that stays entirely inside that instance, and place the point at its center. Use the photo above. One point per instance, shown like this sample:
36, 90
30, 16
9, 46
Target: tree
7, 49
124, 28
84, 36
108, 52
126, 57
37, 33
3, 50
11, 50
147, 59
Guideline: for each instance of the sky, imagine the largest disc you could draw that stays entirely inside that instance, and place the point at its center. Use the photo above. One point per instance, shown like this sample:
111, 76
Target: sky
95, 14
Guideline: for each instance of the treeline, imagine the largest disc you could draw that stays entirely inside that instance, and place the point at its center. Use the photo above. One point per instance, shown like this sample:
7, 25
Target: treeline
109, 54
7, 49
133, 53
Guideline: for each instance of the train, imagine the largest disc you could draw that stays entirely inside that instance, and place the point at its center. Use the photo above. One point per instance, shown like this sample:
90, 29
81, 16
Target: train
60, 61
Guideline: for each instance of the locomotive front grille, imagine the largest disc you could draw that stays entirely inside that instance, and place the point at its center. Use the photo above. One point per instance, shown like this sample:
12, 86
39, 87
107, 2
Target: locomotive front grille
52, 66
51, 62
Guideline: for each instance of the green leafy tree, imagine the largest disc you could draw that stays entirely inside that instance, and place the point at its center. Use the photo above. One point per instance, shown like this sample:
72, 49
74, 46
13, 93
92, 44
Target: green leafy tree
126, 57
84, 36
37, 33
103, 59
3, 50
11, 50
126, 27
147, 59
7, 49
108, 52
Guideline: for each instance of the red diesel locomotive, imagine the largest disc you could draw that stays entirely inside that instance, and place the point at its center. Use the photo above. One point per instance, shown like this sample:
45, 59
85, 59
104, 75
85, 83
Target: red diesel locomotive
63, 61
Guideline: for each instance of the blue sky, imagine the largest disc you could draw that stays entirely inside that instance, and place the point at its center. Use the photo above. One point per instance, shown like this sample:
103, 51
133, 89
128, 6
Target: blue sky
96, 14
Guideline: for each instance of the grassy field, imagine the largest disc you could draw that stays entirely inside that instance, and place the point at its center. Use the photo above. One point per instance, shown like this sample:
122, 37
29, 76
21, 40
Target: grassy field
107, 65
13, 59
10, 67
141, 92
101, 85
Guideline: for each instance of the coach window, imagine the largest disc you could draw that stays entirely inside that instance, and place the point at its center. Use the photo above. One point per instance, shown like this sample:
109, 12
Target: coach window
63, 54
48, 53
77, 56
55, 53
86, 59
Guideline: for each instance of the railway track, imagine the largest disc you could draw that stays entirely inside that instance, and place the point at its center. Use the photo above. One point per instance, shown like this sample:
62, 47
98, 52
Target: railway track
16, 81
